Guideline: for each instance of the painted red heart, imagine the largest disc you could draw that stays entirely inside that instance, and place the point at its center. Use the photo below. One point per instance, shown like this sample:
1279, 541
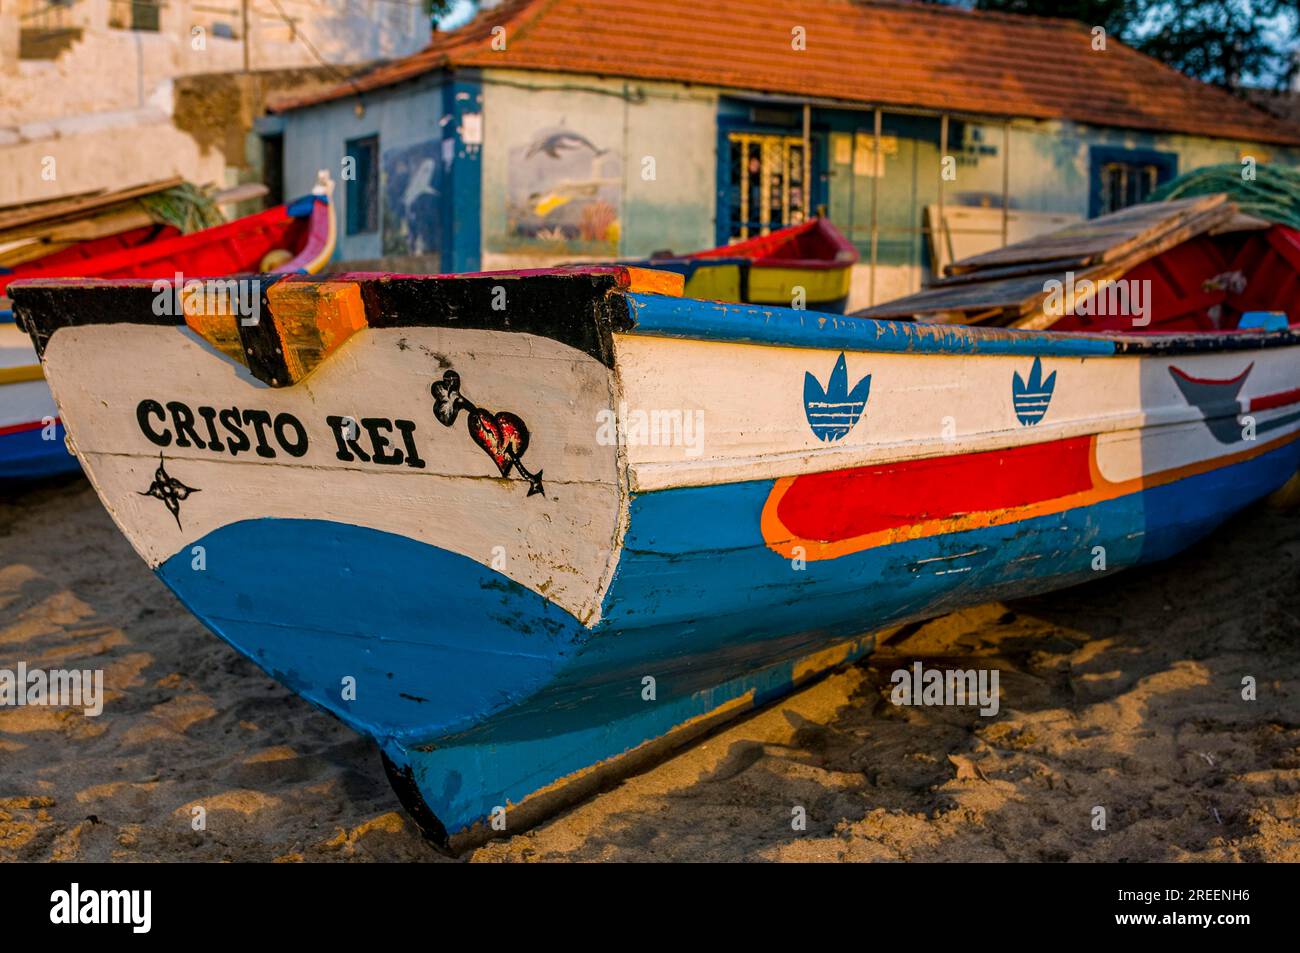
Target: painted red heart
503, 437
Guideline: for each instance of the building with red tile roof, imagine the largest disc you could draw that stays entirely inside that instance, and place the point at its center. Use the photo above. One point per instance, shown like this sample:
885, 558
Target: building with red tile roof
542, 114
880, 52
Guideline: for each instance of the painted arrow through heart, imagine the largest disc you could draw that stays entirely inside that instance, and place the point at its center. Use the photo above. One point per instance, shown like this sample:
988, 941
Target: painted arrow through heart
503, 436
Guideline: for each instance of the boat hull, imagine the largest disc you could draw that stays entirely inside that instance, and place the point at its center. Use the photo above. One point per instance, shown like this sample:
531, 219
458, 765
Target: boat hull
32, 446
27, 455
518, 591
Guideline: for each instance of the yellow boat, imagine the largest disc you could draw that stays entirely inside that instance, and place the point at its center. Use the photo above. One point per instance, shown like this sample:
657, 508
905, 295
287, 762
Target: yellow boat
814, 256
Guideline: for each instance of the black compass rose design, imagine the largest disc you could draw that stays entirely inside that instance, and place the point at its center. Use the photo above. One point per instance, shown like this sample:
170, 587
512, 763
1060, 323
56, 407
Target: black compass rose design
170, 490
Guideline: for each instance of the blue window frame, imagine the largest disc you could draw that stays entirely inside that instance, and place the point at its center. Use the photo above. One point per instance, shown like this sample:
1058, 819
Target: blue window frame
760, 174
363, 187
1123, 177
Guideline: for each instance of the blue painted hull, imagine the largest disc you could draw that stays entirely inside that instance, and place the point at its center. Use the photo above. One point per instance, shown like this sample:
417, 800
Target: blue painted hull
26, 456
718, 629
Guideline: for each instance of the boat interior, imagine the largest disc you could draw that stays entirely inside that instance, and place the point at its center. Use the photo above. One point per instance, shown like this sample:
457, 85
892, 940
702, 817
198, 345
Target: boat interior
256, 243
1235, 281
812, 244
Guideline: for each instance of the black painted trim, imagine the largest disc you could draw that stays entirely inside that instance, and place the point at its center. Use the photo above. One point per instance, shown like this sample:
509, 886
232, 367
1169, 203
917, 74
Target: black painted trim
580, 309
42, 309
262, 345
1202, 343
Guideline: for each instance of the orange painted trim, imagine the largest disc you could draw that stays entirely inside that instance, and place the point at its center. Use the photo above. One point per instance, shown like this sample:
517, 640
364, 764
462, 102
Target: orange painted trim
313, 319
780, 540
655, 281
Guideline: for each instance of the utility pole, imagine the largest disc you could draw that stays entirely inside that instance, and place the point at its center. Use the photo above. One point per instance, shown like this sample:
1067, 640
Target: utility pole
243, 5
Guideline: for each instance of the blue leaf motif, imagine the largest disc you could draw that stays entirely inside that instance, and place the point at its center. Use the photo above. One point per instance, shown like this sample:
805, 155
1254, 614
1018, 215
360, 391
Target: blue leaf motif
1031, 398
834, 410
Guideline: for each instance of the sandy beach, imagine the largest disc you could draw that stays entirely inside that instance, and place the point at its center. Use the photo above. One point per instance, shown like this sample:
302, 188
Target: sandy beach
1124, 694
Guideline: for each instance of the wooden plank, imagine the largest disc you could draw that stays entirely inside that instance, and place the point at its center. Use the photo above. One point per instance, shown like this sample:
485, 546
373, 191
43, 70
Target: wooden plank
1008, 271
1113, 271
1020, 297
1241, 222
112, 222
967, 231
240, 193
1106, 238
975, 296
57, 210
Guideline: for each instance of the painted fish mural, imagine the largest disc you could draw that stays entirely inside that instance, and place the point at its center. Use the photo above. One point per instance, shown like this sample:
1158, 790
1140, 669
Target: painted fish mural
364, 471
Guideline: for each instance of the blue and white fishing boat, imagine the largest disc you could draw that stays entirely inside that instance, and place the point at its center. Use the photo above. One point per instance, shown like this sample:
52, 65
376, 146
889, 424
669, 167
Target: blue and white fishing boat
526, 529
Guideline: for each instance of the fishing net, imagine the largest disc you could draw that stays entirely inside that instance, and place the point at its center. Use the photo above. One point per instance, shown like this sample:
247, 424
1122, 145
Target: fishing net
1273, 194
185, 206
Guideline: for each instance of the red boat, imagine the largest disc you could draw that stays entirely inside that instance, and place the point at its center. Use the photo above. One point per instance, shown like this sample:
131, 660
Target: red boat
1210, 282
297, 237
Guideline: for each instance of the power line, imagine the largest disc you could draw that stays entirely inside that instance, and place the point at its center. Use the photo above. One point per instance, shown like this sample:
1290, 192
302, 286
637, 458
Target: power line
313, 51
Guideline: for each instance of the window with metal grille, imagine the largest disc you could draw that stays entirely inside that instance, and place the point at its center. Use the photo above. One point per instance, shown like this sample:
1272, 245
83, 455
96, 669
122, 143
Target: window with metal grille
1126, 183
767, 188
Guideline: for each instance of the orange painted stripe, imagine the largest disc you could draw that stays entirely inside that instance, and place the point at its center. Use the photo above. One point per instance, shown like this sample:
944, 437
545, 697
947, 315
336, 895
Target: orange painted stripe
780, 540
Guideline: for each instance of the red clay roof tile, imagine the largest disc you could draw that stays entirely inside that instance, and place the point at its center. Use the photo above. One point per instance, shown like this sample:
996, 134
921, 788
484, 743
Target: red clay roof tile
881, 52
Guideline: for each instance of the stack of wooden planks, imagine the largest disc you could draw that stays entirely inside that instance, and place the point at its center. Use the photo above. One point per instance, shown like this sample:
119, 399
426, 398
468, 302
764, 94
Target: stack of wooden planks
1013, 286
38, 229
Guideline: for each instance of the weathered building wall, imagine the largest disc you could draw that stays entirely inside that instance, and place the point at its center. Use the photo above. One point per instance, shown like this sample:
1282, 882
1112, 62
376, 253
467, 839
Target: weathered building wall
99, 111
144, 148
1051, 171
573, 168
412, 174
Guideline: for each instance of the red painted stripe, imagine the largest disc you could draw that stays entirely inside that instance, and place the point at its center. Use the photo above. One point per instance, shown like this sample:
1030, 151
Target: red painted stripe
1281, 399
23, 428
844, 504
1207, 380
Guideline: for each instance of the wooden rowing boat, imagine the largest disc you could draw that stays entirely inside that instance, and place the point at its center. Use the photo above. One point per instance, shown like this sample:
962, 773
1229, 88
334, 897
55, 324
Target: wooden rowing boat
526, 545
298, 237
769, 269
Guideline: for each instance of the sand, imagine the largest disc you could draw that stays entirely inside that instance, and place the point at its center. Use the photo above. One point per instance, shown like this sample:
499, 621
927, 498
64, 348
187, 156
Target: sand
1124, 694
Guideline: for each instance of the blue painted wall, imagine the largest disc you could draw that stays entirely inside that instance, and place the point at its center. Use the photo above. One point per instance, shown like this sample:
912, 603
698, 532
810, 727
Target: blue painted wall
404, 118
